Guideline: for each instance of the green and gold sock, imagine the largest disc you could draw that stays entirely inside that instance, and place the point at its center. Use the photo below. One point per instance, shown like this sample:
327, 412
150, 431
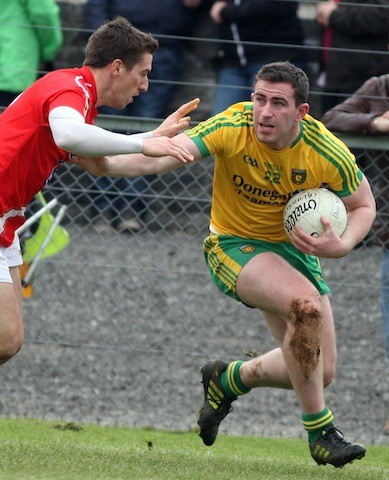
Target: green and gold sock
314, 423
231, 381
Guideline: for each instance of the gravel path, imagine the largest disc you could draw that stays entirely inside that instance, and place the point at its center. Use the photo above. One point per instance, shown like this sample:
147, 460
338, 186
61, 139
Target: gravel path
123, 345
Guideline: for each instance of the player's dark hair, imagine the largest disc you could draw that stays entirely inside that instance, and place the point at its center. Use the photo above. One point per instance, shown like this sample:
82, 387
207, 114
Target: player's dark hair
118, 39
286, 72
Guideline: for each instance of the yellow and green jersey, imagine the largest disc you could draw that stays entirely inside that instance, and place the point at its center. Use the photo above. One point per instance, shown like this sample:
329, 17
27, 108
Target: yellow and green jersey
252, 183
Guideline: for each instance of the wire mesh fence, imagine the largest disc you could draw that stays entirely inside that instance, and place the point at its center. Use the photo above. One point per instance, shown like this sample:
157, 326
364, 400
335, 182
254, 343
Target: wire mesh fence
118, 323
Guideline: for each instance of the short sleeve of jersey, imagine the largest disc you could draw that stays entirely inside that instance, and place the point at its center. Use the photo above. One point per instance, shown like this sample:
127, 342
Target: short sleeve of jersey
70, 99
74, 88
333, 158
223, 131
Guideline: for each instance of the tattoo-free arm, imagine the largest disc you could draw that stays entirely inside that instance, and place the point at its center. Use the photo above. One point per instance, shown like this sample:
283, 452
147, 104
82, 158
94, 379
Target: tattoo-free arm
135, 165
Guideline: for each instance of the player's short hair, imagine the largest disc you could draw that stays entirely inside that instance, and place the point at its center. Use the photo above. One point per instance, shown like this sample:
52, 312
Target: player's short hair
118, 39
286, 72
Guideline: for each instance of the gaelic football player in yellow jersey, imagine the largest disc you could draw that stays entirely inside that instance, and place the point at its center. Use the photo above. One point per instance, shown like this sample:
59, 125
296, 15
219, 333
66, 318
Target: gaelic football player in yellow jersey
265, 151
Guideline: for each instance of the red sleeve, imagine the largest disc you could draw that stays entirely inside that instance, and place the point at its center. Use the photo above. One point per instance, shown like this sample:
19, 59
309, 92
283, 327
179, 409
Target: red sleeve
69, 98
77, 92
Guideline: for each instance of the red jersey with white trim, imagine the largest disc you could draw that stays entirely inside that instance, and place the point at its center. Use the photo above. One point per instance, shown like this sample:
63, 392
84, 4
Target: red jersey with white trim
28, 153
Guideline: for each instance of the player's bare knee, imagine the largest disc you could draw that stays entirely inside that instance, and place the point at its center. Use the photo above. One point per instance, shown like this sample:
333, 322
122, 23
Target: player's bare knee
10, 344
306, 319
9, 351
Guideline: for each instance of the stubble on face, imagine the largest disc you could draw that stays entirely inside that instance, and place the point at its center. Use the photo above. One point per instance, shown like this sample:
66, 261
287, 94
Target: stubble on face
275, 115
135, 81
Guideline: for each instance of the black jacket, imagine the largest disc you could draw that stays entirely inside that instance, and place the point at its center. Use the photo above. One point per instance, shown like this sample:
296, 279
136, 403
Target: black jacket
362, 28
167, 17
261, 21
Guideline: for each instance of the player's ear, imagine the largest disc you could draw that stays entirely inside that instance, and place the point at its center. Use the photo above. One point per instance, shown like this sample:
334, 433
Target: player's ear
116, 67
302, 110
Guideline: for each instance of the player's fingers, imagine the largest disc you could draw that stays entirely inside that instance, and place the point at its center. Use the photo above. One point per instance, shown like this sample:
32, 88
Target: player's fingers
74, 159
298, 231
325, 221
182, 154
187, 107
181, 124
326, 224
184, 120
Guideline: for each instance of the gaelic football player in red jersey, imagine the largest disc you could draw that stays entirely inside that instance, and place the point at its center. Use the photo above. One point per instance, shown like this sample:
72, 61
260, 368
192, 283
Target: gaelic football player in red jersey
52, 121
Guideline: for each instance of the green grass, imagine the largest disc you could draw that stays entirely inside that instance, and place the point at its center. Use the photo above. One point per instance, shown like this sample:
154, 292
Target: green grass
34, 449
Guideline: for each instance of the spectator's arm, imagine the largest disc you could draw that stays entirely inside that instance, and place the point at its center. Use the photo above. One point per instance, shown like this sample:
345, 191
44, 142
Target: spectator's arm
380, 124
361, 20
358, 114
343, 121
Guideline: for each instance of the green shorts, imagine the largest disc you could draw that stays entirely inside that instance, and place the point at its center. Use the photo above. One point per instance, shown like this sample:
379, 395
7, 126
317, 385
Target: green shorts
227, 255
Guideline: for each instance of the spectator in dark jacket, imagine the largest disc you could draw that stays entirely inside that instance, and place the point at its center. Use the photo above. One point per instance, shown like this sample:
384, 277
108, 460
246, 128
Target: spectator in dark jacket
169, 18
126, 209
367, 112
355, 27
264, 21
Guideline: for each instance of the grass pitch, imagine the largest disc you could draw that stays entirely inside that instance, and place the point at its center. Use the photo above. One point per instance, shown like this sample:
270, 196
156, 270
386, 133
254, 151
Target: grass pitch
35, 449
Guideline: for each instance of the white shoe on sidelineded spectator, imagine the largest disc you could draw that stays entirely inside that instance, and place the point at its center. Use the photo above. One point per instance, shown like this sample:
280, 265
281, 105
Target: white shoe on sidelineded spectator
102, 225
128, 226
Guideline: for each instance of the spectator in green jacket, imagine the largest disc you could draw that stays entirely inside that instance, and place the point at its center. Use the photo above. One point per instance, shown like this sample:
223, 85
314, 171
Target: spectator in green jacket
30, 37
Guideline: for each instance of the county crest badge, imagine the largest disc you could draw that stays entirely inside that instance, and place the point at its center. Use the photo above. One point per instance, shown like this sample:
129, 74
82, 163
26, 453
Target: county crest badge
298, 176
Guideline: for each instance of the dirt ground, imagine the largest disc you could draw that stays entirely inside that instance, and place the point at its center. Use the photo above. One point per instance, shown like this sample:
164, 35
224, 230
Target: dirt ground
123, 345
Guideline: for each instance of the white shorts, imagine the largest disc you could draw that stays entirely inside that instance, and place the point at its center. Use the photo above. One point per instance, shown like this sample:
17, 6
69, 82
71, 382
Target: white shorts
10, 257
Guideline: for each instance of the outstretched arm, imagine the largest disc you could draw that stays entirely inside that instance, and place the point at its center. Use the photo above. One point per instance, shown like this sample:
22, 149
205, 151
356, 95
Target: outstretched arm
72, 134
135, 165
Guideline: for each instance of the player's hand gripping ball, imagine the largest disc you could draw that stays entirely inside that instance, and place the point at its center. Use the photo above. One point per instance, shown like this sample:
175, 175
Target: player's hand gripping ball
308, 206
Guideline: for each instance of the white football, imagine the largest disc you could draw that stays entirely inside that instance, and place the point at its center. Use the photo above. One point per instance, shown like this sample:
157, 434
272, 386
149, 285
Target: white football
308, 206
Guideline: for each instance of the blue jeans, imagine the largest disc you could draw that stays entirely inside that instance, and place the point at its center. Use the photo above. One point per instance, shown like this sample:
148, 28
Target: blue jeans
385, 296
239, 83
119, 194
